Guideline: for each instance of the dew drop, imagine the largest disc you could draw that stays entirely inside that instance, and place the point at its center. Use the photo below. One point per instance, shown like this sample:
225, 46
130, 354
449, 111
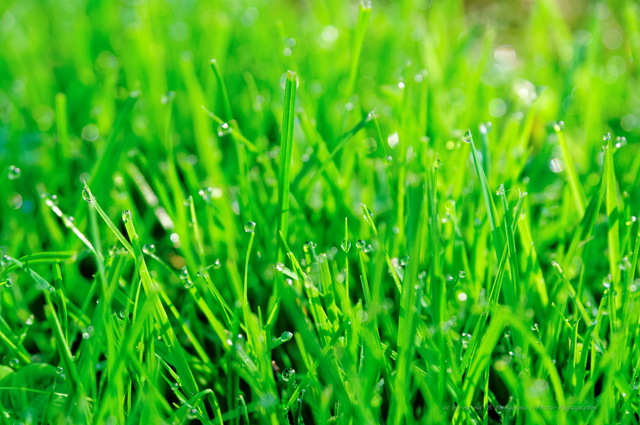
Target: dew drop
485, 127
14, 172
345, 245
558, 126
286, 336
149, 249
126, 216
370, 145
468, 137
437, 163
224, 129
279, 267
288, 374
217, 264
360, 244
167, 97
250, 226
556, 165
59, 369
462, 274
50, 199
5, 260
86, 195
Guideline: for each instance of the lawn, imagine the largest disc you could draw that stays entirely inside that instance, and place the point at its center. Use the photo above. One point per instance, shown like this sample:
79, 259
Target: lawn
319, 212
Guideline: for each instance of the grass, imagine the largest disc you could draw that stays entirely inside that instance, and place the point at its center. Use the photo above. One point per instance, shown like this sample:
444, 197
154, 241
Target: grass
273, 212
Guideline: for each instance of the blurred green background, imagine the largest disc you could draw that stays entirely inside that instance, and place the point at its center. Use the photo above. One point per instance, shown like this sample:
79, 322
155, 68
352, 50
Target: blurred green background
484, 61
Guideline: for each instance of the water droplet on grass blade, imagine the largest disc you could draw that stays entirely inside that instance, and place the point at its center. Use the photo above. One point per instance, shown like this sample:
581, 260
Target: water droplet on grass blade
250, 226
360, 244
556, 165
217, 264
345, 245
149, 248
279, 267
184, 277
288, 374
14, 172
393, 140
126, 216
224, 129
370, 145
86, 195
59, 369
437, 163
462, 274
168, 97
286, 336
558, 126
468, 137
485, 128
50, 199
5, 260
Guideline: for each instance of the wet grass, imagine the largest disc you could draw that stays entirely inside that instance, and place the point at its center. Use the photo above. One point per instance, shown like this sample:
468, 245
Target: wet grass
274, 212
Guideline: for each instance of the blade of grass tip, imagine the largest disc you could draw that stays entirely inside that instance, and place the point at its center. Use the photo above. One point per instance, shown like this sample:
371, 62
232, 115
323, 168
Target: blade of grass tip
53, 257
228, 115
286, 145
358, 41
572, 176
109, 157
92, 199
240, 149
486, 194
613, 235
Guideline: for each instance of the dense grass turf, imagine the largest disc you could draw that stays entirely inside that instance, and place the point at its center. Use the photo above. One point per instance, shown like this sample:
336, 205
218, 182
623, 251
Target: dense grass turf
323, 245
